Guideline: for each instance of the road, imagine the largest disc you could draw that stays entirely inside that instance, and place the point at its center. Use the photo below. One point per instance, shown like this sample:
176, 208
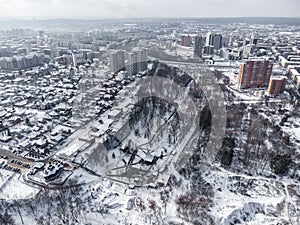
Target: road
11, 156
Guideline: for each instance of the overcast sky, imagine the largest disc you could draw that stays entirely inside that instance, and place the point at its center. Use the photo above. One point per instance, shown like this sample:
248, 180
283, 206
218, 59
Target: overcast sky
147, 8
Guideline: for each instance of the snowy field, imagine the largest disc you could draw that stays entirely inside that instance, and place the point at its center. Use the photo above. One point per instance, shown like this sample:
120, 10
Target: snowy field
20, 190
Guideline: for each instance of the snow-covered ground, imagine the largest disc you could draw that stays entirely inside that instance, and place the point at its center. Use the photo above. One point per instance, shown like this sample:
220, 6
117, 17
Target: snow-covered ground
15, 188
248, 199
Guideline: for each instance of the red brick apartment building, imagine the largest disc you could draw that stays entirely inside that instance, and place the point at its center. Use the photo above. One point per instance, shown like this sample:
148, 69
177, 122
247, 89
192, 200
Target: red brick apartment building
276, 85
255, 73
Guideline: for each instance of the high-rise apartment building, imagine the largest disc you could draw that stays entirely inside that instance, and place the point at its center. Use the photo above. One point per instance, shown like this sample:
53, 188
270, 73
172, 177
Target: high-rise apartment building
141, 60
132, 63
255, 73
208, 39
198, 46
137, 61
21, 62
253, 40
117, 61
214, 40
217, 41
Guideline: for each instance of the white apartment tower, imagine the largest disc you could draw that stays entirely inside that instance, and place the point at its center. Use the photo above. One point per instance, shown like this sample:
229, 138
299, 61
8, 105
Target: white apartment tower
132, 63
137, 61
141, 60
117, 61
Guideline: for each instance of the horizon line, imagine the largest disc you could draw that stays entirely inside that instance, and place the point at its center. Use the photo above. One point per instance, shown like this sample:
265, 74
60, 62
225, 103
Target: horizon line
135, 18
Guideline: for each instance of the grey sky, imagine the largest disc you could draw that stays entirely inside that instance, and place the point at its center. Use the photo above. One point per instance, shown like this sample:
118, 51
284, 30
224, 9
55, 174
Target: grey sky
147, 8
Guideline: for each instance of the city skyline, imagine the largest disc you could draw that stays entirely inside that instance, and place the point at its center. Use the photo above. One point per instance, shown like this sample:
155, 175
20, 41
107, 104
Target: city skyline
98, 9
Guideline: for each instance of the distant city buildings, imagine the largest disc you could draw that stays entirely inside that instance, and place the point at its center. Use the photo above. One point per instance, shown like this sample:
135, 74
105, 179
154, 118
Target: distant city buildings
21, 62
224, 53
209, 50
247, 50
5, 51
249, 46
217, 41
214, 40
287, 55
186, 40
253, 40
235, 54
255, 73
61, 106
208, 39
276, 85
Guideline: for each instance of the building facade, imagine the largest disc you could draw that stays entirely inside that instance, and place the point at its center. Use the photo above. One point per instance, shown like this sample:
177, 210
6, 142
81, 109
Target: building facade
141, 60
217, 41
137, 61
214, 40
198, 46
209, 50
21, 62
276, 85
186, 40
208, 39
255, 73
132, 63
117, 61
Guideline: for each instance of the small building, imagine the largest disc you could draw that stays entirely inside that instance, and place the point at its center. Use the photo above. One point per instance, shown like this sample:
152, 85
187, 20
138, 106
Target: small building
56, 138
41, 142
297, 81
276, 85
296, 76
5, 135
114, 114
5, 138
